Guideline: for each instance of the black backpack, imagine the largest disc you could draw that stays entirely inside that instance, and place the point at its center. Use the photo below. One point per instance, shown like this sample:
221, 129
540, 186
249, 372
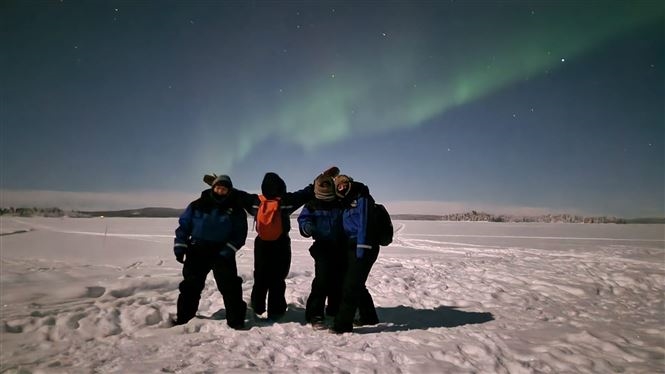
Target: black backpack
383, 225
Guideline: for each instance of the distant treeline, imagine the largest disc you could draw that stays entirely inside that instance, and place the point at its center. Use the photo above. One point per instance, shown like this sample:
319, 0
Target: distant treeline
143, 212
57, 212
472, 216
30, 212
475, 216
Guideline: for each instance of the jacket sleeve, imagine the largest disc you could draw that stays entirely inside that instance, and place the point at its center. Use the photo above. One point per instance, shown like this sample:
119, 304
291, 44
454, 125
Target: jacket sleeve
183, 232
299, 198
248, 201
363, 211
238, 231
306, 222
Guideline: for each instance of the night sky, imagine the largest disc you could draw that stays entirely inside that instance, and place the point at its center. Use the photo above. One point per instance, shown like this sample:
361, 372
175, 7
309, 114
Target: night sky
550, 104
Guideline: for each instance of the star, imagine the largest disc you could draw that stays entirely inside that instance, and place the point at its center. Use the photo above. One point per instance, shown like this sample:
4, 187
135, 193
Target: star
563, 60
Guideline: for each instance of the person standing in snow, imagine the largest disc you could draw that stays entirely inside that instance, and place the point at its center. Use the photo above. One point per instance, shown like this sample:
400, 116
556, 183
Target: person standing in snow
321, 219
362, 250
211, 230
272, 258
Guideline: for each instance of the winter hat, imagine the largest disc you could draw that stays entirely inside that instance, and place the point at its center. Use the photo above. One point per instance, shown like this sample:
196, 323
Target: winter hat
273, 186
224, 180
341, 179
324, 188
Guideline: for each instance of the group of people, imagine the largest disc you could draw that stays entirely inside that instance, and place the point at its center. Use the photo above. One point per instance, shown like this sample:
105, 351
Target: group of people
336, 214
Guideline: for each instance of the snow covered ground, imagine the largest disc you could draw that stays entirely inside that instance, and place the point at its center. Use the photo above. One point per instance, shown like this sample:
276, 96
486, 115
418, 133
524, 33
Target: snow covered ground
95, 295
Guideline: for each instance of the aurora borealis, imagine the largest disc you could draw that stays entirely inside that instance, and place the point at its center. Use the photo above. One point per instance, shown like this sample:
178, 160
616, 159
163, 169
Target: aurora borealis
123, 94
384, 81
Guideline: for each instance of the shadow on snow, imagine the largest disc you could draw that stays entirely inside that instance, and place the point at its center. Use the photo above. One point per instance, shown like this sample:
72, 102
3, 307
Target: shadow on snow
402, 318
399, 318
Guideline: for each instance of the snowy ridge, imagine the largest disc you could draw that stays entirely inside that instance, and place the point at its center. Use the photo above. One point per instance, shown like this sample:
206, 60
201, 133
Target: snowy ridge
82, 295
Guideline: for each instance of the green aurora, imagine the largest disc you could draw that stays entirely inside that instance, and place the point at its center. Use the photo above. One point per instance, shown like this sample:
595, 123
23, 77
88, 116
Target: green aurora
410, 78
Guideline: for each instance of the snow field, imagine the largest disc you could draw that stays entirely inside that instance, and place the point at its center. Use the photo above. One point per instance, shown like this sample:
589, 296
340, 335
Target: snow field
96, 295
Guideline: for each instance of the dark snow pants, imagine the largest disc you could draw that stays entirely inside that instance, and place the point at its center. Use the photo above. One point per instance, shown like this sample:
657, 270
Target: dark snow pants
329, 267
272, 262
355, 295
198, 263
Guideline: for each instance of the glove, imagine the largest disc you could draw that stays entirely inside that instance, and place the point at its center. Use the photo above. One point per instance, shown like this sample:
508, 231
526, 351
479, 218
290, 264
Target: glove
360, 252
332, 172
180, 252
227, 253
307, 229
209, 178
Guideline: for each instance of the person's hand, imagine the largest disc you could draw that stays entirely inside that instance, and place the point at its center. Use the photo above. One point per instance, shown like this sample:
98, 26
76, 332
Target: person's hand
227, 253
209, 178
332, 172
307, 230
180, 254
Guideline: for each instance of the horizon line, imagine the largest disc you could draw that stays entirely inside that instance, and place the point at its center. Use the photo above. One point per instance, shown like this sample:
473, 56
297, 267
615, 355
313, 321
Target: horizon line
98, 201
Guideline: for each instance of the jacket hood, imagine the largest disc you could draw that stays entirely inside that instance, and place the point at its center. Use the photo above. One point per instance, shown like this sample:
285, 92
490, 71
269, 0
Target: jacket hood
273, 186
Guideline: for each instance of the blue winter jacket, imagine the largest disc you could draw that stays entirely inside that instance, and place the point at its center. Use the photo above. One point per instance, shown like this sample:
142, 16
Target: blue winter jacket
321, 220
355, 216
211, 221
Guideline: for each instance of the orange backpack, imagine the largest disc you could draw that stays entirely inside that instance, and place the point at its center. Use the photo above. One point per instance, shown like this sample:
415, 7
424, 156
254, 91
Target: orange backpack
269, 219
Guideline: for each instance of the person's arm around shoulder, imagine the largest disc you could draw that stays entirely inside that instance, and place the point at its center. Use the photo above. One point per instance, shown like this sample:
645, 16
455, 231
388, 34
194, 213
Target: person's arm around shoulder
300, 197
248, 201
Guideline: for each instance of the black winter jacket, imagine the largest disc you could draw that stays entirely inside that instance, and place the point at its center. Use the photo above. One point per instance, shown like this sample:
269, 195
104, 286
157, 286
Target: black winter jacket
272, 187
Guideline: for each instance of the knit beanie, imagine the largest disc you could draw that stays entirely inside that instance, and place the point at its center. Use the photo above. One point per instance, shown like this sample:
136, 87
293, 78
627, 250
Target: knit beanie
341, 179
273, 186
224, 180
324, 188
